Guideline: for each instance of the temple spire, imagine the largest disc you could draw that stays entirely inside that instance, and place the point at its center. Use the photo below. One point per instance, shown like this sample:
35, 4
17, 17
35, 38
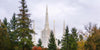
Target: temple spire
64, 27
54, 27
54, 33
46, 20
34, 41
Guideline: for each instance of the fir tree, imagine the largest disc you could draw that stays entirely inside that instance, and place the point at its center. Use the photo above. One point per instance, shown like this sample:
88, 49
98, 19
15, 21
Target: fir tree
5, 22
4, 38
59, 42
13, 34
52, 44
73, 39
81, 37
39, 43
65, 40
74, 33
23, 28
13, 22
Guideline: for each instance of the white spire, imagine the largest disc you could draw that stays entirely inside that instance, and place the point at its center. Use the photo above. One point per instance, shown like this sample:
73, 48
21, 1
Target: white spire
54, 30
34, 41
46, 31
33, 25
54, 27
56, 40
46, 20
64, 27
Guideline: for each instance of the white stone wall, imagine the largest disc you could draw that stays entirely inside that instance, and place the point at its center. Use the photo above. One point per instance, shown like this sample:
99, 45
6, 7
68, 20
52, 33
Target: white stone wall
45, 36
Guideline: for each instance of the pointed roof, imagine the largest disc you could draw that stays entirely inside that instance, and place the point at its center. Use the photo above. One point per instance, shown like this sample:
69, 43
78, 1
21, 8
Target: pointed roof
64, 27
46, 19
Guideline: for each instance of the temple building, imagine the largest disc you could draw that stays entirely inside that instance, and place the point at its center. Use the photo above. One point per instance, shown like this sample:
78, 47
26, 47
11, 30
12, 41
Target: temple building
45, 35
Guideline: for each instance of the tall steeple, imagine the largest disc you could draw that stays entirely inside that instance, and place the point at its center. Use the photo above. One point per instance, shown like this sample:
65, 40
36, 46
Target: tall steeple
56, 40
54, 27
46, 20
34, 41
46, 31
64, 27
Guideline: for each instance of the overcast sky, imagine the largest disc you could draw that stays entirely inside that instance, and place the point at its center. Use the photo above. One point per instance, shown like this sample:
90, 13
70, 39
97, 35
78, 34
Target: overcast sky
76, 13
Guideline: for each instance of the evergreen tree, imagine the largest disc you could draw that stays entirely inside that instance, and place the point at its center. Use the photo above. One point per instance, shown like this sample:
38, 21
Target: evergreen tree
5, 22
13, 34
74, 33
52, 44
59, 42
69, 41
81, 37
23, 28
13, 22
39, 43
65, 40
73, 39
4, 38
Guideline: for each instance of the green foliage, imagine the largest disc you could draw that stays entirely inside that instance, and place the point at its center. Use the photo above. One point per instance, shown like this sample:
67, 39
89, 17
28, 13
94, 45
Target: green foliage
39, 43
74, 39
69, 41
93, 41
59, 42
65, 40
52, 44
13, 34
4, 38
23, 28
13, 22
81, 37
74, 33
5, 22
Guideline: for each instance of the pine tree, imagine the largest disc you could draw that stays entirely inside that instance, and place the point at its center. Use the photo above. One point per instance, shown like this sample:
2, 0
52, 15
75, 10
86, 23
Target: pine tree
74, 33
13, 34
52, 44
39, 43
73, 39
13, 22
59, 42
23, 28
4, 38
81, 37
65, 40
5, 22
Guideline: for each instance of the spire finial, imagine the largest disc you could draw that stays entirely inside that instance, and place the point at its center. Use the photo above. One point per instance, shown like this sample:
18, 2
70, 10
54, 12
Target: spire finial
46, 20
64, 27
54, 26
